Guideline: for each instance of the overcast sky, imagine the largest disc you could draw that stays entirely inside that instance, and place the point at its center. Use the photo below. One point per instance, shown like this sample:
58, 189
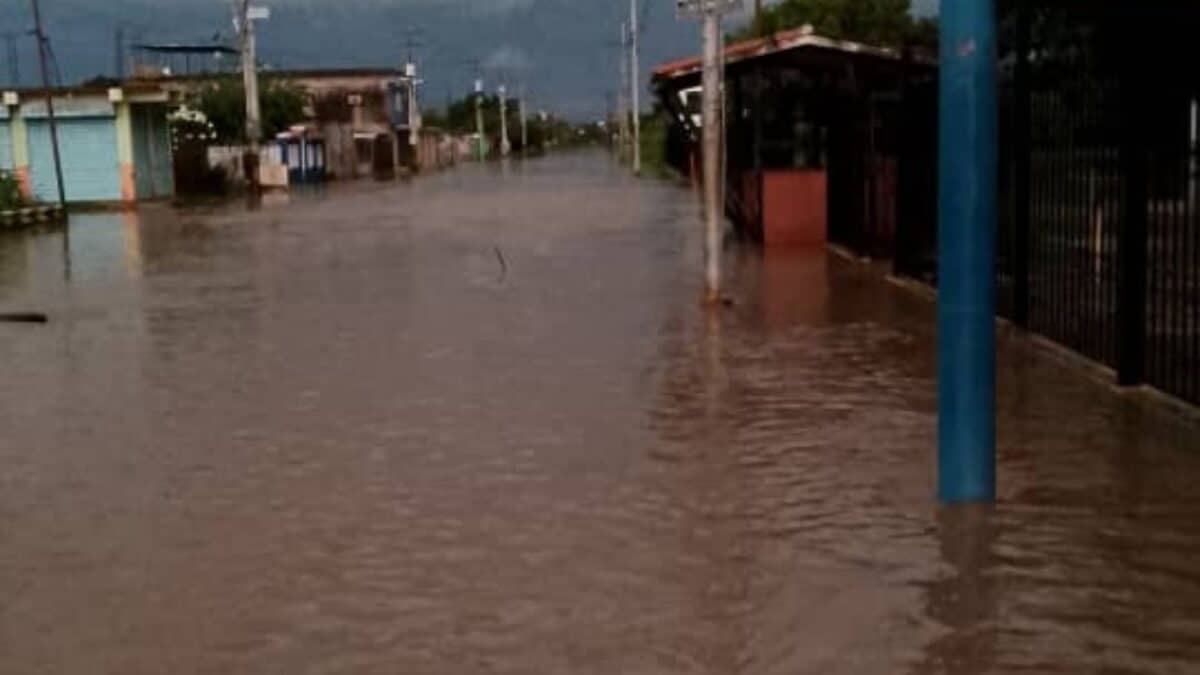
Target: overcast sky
563, 51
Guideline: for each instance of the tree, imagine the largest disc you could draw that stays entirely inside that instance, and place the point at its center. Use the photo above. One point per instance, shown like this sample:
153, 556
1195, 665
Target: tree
459, 118
224, 105
10, 191
545, 130
879, 22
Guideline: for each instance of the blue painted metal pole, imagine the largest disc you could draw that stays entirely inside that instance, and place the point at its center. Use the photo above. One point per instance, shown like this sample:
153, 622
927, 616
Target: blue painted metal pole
966, 253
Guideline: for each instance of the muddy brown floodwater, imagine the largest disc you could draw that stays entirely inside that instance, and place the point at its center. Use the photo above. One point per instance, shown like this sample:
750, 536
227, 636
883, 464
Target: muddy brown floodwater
339, 435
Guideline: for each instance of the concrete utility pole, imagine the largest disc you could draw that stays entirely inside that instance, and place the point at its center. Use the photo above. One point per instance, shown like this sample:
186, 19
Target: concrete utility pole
622, 96
505, 146
40, 34
635, 86
713, 137
524, 126
714, 212
249, 49
479, 119
966, 242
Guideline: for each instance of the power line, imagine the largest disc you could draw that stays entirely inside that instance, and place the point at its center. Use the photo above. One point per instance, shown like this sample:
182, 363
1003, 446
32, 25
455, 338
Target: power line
119, 53
413, 40
58, 78
42, 44
13, 58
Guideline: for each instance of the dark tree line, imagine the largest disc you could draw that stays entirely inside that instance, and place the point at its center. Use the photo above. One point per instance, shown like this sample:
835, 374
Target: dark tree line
888, 23
459, 118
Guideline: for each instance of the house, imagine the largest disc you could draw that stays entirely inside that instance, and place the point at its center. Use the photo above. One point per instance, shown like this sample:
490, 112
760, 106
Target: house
114, 142
368, 119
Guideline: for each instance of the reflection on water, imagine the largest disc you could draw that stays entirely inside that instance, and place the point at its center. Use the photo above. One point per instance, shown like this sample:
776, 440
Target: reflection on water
337, 435
963, 599
14, 264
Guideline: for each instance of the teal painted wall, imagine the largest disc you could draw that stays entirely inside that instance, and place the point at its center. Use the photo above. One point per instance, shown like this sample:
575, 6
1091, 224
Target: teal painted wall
5, 147
152, 157
89, 158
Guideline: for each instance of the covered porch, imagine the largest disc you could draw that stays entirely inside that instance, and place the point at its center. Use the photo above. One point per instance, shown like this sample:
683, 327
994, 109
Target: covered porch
814, 128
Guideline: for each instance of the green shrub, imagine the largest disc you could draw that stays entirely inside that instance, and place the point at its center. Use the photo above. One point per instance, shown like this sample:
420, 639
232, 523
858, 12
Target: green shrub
10, 191
654, 146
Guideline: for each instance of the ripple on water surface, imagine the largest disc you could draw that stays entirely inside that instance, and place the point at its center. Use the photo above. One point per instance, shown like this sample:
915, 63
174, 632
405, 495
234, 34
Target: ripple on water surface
478, 423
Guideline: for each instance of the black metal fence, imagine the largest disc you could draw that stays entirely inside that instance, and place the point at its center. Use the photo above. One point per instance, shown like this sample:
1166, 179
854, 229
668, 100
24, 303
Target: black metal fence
1172, 283
1098, 232
1105, 216
1065, 122
863, 151
917, 179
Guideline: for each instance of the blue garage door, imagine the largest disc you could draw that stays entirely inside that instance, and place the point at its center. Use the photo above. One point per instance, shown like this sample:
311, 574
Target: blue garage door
89, 158
5, 146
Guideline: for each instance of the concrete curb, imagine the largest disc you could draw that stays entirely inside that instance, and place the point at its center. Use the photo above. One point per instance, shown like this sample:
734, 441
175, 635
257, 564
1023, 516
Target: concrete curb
1099, 373
31, 215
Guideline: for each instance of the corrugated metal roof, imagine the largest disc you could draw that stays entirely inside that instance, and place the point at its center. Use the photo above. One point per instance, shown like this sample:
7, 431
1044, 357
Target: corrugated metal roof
788, 40
181, 48
311, 73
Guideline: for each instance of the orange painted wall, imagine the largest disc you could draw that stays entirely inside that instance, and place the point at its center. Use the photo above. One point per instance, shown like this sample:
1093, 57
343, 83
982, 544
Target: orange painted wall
795, 209
22, 175
128, 184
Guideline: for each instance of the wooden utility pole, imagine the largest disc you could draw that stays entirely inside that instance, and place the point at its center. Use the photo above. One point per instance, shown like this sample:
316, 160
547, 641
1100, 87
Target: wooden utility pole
40, 34
635, 86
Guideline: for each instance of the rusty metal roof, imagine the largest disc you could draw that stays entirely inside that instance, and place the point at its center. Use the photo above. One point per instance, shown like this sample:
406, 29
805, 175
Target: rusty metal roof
798, 38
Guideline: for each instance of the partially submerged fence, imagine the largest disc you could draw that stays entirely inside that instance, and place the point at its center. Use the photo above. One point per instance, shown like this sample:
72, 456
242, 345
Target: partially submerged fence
1098, 228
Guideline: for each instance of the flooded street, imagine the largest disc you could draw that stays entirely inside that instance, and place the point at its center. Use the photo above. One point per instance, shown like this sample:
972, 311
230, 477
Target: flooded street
479, 423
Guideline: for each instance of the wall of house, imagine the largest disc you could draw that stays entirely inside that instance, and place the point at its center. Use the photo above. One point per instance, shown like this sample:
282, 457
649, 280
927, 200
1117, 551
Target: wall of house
6, 158
101, 146
331, 114
323, 84
437, 150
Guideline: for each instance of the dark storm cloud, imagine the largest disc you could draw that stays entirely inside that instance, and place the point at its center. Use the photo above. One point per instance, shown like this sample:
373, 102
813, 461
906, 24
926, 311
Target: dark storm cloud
563, 51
